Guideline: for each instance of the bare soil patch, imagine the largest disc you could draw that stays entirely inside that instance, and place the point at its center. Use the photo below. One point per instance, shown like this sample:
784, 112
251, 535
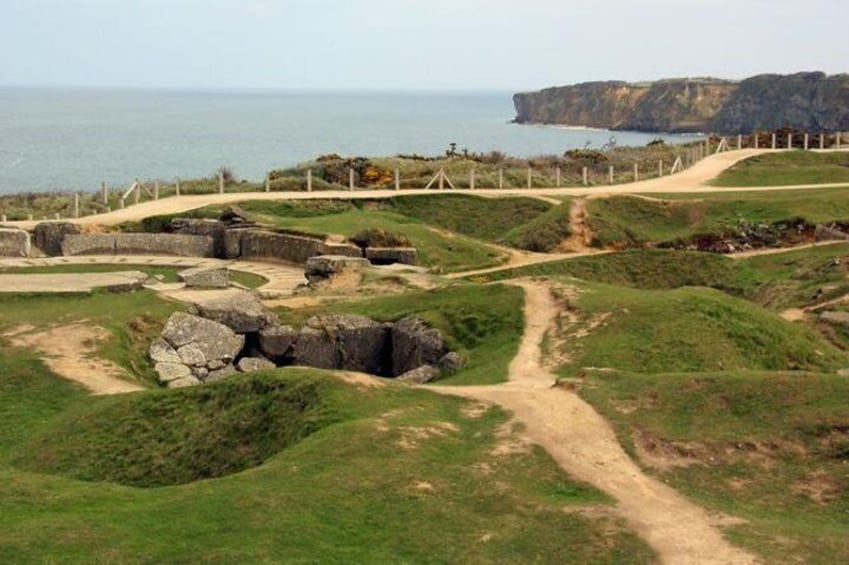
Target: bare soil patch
70, 352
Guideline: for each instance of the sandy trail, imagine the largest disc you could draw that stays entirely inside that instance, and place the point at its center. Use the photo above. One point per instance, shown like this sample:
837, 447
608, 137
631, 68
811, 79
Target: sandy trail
692, 180
585, 446
69, 351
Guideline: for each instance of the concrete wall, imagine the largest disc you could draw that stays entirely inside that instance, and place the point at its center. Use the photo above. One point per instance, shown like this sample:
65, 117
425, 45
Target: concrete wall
14, 243
265, 245
138, 244
48, 236
389, 255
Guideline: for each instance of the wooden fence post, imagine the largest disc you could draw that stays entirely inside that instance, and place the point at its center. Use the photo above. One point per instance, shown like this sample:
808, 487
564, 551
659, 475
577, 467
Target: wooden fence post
789, 141
739, 142
660, 168
472, 178
441, 179
585, 176
611, 174
350, 178
757, 141
104, 193
500, 178
557, 176
397, 178
268, 182
177, 187
774, 142
156, 190
530, 178
636, 172
309, 180
822, 141
807, 145
76, 204
137, 193
220, 182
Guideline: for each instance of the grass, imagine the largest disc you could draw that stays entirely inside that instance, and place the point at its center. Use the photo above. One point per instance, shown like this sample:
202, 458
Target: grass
635, 221
544, 233
170, 438
770, 448
684, 330
483, 324
638, 268
787, 169
390, 457
168, 274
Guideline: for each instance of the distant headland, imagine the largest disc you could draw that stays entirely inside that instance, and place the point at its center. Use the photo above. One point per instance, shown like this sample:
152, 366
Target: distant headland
811, 101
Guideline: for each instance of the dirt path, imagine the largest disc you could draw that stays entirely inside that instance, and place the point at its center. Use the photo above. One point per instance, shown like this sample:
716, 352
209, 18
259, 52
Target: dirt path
585, 446
581, 237
692, 180
69, 351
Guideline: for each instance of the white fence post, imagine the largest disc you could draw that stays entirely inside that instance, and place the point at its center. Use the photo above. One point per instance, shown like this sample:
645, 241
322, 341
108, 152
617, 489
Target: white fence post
530, 178
585, 176
557, 176
397, 178
636, 172
309, 180
472, 179
104, 192
268, 182
220, 182
500, 178
610, 174
177, 187
350, 178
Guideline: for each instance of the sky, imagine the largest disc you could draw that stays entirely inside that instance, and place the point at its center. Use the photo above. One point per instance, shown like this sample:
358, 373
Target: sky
411, 44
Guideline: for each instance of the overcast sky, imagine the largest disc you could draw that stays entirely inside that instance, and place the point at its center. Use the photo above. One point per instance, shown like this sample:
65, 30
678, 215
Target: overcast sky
412, 44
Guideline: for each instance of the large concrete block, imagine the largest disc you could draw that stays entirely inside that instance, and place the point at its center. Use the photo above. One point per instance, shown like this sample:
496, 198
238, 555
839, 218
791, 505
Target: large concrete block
48, 236
164, 244
88, 244
390, 255
14, 243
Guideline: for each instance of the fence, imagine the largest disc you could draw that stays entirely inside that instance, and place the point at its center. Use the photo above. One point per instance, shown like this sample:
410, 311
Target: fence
688, 156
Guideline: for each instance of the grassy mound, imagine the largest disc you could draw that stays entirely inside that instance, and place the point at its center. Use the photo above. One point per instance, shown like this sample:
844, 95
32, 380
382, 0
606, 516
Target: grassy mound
771, 448
687, 329
395, 457
544, 233
175, 437
483, 324
481, 218
787, 169
638, 268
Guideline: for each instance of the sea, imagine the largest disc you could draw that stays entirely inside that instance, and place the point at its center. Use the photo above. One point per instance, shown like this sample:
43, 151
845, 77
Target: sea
61, 139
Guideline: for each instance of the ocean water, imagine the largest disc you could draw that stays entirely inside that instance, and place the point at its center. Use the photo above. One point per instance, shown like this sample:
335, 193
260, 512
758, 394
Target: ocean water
72, 139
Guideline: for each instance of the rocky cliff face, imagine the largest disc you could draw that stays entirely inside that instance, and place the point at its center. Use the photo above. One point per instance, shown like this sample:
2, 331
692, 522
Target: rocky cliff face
811, 101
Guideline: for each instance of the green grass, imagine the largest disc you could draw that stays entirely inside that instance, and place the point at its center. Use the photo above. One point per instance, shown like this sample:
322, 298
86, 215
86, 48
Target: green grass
788, 168
634, 221
544, 233
757, 439
169, 438
438, 251
482, 323
391, 458
488, 219
638, 268
686, 329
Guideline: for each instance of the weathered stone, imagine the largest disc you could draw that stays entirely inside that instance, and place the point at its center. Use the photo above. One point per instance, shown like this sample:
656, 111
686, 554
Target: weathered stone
835, 317
315, 348
216, 341
192, 356
277, 341
161, 352
415, 344
221, 374
216, 365
242, 312
259, 244
137, 244
205, 277
390, 255
251, 364
843, 373
361, 343
48, 236
200, 372
450, 363
169, 372
234, 215
14, 243
185, 382
420, 375
323, 267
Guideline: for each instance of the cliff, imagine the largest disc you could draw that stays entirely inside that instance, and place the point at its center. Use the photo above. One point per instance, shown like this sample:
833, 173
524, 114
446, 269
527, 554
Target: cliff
809, 101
